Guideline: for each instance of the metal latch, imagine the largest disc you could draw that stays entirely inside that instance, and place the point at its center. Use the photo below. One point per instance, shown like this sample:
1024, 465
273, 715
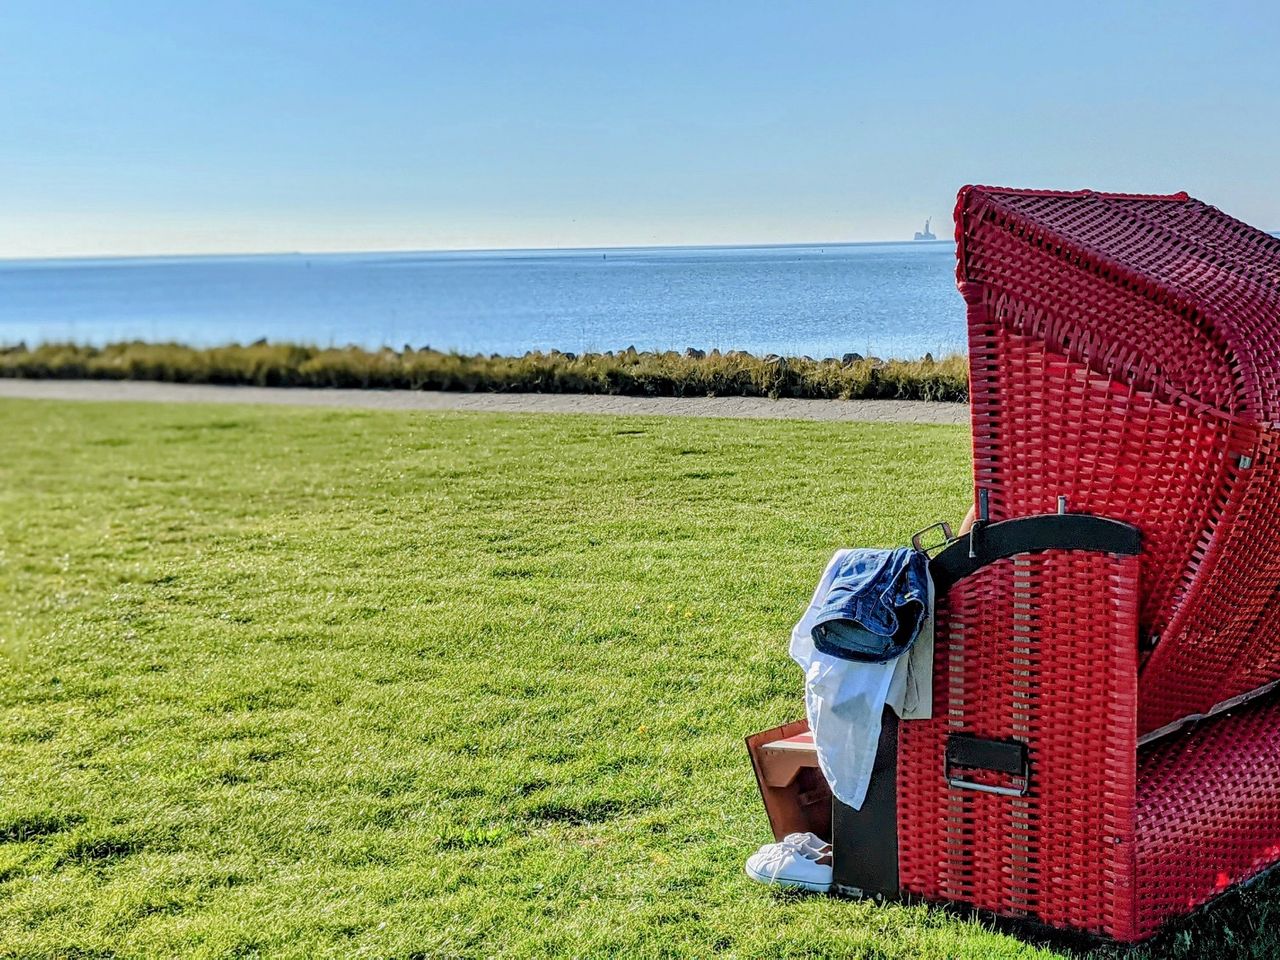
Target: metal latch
917, 540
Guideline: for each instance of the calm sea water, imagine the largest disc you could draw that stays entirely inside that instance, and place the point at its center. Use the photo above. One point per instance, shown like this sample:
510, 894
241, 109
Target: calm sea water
883, 299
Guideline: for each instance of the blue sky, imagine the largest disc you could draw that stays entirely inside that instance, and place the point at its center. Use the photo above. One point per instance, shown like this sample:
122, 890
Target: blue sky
134, 127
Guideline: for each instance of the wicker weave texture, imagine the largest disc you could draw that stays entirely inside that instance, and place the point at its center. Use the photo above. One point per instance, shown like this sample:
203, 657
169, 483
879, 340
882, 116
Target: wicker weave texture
1040, 648
1208, 811
1125, 352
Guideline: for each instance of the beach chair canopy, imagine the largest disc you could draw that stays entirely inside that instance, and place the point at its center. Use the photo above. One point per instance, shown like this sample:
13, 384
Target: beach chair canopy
1125, 354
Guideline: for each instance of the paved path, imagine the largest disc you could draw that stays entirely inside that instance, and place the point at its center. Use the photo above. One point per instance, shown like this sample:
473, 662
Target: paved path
873, 411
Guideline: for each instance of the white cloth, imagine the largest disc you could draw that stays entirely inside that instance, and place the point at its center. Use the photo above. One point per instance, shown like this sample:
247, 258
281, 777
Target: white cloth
844, 699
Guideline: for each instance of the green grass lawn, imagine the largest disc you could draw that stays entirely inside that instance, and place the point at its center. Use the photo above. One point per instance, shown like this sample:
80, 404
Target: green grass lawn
303, 683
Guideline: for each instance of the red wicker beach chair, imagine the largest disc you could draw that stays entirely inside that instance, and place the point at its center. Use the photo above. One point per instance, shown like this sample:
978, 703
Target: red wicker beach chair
1105, 753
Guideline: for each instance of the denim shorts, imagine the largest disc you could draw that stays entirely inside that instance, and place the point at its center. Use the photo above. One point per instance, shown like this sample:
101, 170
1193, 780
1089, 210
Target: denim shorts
876, 605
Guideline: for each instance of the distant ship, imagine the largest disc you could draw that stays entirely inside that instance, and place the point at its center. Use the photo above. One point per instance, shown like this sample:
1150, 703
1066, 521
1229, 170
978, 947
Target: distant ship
927, 234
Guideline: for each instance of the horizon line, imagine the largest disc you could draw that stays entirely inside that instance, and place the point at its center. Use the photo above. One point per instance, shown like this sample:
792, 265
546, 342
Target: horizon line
228, 254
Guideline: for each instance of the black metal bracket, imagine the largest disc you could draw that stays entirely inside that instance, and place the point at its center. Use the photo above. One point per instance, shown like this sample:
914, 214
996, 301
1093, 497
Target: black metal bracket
989, 542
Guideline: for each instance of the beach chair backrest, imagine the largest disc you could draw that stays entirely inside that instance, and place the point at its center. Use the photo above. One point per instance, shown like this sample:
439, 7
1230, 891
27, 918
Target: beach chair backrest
1125, 354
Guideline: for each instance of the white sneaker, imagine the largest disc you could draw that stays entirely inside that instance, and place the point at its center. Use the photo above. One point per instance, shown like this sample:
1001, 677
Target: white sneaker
793, 862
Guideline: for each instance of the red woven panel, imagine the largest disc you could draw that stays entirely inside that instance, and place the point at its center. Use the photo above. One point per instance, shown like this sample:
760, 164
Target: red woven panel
1096, 313
1040, 648
1125, 352
1203, 289
1208, 811
1225, 639
1045, 426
